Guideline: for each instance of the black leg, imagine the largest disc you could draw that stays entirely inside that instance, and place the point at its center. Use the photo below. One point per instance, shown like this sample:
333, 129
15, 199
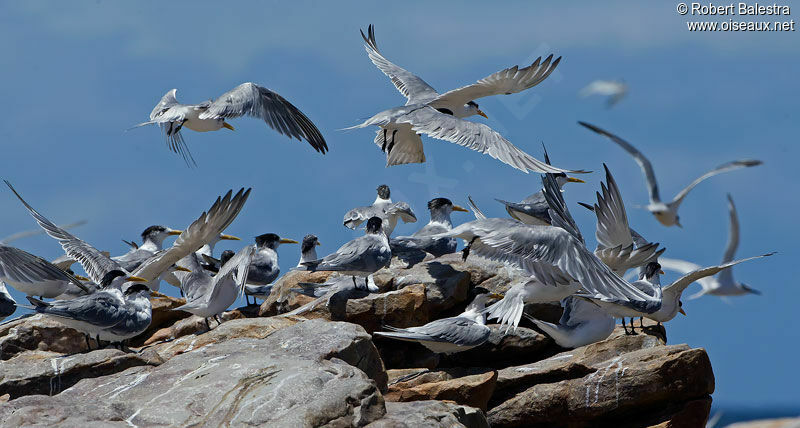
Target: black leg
641, 323
383, 146
88, 345
208, 326
219, 321
391, 145
354, 282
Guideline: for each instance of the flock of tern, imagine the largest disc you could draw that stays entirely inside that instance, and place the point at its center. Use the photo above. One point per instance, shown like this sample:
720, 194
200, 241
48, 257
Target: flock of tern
540, 240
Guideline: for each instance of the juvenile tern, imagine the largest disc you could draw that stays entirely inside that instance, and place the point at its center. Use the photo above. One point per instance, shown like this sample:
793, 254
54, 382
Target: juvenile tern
582, 322
152, 241
208, 296
440, 210
118, 311
34, 275
7, 303
449, 335
384, 208
362, 256
722, 284
97, 264
247, 99
612, 89
441, 115
308, 249
667, 213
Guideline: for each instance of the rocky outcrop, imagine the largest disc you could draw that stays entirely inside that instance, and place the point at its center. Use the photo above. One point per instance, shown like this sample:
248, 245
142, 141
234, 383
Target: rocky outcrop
264, 367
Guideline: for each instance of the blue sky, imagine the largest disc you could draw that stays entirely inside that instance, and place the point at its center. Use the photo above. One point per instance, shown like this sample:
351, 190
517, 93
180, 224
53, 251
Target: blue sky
76, 75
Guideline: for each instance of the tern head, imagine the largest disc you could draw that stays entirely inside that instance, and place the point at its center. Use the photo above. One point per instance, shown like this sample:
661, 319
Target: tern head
680, 308
136, 288
562, 179
374, 225
471, 109
118, 275
383, 191
272, 240
651, 272
309, 242
225, 256
157, 234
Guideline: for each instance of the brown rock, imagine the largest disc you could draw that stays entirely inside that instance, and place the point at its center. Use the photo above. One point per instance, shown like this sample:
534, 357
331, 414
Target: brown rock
471, 390
430, 414
39, 332
282, 300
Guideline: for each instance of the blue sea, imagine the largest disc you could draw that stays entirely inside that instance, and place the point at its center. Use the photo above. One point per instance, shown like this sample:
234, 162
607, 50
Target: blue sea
731, 414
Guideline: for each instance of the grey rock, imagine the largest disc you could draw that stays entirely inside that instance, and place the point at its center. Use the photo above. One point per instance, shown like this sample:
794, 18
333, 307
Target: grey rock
430, 414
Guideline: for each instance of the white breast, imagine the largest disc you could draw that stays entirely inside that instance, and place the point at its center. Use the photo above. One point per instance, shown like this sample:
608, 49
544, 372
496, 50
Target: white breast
194, 122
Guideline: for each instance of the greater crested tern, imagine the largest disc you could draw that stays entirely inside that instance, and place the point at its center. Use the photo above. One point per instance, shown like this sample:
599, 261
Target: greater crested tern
440, 210
34, 275
534, 208
152, 241
722, 284
449, 335
247, 99
582, 323
669, 295
384, 208
361, 256
308, 249
97, 264
667, 213
613, 90
118, 311
441, 115
7, 303
208, 296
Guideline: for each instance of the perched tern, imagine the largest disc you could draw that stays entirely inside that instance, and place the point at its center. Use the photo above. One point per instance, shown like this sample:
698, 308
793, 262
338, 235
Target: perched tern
722, 284
7, 303
362, 256
247, 99
97, 264
449, 335
335, 291
208, 296
612, 89
441, 115
264, 268
667, 213
118, 311
34, 275
582, 322
440, 209
152, 241
308, 249
384, 208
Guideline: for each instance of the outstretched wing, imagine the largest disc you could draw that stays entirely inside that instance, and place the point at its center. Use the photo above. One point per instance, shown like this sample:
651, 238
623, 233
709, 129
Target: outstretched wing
681, 283
474, 136
644, 163
95, 263
207, 227
257, 101
508, 81
22, 266
238, 266
410, 85
730, 166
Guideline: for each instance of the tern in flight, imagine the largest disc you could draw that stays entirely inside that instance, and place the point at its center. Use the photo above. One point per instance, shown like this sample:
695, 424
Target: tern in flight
442, 116
667, 213
247, 99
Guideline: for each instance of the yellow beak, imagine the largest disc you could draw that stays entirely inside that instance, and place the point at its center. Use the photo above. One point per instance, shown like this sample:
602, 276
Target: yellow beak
318, 243
230, 237
458, 208
82, 278
288, 241
574, 180
482, 113
228, 125
495, 296
661, 272
182, 269
135, 279
681, 311
174, 232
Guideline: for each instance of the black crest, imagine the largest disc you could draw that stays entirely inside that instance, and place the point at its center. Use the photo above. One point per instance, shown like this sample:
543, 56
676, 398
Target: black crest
135, 288
438, 203
473, 104
309, 242
109, 277
152, 230
267, 239
383, 191
651, 269
225, 256
374, 225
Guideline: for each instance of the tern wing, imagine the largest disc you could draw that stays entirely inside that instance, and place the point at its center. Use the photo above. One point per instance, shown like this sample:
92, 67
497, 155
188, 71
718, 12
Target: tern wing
730, 166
